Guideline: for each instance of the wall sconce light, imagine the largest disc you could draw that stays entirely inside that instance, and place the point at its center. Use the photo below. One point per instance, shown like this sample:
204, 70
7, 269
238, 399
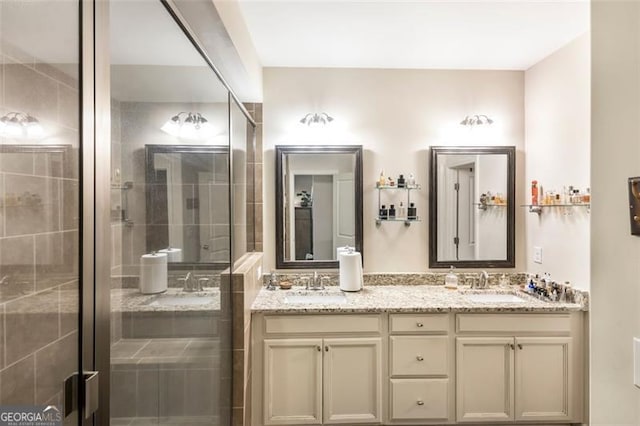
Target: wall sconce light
20, 125
315, 119
188, 125
476, 120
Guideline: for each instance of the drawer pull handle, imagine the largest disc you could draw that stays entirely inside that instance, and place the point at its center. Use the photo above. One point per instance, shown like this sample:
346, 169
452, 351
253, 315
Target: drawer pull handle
420, 324
419, 358
420, 402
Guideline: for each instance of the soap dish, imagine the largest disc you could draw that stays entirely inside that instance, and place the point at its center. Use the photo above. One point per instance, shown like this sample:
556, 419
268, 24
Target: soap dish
285, 285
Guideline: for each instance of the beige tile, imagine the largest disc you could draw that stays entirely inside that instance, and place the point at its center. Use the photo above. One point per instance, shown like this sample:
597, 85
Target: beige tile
201, 389
29, 91
17, 383
147, 400
69, 307
56, 259
259, 145
259, 220
64, 73
258, 183
17, 264
68, 106
31, 323
172, 392
258, 112
37, 212
54, 364
163, 348
70, 204
123, 393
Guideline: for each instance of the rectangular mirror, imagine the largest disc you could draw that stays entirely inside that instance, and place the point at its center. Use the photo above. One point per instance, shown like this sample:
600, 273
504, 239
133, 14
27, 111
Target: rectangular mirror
187, 202
318, 204
472, 208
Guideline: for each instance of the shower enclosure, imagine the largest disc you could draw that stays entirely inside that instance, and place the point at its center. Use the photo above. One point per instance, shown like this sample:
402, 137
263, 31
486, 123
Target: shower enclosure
120, 145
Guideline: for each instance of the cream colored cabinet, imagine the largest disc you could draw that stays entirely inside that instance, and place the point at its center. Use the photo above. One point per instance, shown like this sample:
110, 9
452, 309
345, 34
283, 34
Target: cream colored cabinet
528, 378
352, 377
484, 385
318, 369
419, 367
322, 381
292, 381
543, 378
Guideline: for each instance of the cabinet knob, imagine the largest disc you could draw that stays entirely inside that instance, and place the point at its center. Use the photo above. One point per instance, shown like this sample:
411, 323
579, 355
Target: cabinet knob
319, 348
519, 346
512, 346
420, 402
419, 358
420, 324
326, 348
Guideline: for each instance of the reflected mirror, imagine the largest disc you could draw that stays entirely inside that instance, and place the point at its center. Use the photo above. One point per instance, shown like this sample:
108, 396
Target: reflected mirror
318, 204
188, 202
472, 209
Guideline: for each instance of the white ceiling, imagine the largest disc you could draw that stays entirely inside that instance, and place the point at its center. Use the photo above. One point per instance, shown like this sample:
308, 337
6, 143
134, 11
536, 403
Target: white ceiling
445, 34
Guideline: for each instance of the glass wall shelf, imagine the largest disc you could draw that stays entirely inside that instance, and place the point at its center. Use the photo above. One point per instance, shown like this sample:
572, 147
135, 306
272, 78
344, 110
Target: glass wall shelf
533, 208
406, 220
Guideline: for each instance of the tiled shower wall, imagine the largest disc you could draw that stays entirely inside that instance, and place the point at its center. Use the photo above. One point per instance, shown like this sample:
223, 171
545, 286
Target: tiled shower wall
38, 232
254, 167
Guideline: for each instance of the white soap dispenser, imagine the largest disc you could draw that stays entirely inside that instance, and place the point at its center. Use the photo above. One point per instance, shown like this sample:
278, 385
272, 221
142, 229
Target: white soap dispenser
451, 280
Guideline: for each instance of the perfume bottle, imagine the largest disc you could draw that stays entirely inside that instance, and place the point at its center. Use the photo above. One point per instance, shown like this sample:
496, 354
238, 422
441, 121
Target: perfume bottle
392, 212
383, 214
401, 181
412, 212
401, 210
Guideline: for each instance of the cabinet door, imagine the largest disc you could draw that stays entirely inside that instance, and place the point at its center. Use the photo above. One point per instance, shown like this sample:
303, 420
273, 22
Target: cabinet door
544, 378
484, 381
292, 381
352, 380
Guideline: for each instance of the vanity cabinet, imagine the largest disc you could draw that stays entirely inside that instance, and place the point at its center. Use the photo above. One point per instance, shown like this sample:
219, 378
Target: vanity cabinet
334, 378
419, 368
528, 376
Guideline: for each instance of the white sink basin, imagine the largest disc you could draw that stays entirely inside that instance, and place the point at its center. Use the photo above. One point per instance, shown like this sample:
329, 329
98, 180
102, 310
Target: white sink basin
181, 300
315, 299
494, 298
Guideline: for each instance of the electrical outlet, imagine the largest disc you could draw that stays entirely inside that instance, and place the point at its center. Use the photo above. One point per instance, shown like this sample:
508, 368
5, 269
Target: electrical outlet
636, 361
537, 255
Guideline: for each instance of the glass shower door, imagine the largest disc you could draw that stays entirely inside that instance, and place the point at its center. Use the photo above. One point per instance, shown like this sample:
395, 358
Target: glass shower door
170, 225
40, 129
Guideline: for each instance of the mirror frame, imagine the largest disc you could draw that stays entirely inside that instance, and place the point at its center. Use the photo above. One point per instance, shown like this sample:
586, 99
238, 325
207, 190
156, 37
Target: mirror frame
510, 152
281, 151
149, 151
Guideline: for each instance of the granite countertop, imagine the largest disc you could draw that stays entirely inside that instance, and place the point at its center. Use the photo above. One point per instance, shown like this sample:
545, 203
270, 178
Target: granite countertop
131, 300
405, 298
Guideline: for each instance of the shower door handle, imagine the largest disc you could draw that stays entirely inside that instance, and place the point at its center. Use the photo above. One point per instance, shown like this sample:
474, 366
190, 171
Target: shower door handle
91, 392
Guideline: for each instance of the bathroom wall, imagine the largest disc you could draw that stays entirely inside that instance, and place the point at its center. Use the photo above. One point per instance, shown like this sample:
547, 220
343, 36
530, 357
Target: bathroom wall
615, 254
39, 217
396, 115
557, 145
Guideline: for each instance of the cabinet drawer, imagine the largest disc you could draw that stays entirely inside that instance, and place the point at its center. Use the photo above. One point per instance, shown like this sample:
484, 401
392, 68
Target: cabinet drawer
419, 399
514, 323
310, 324
419, 355
419, 323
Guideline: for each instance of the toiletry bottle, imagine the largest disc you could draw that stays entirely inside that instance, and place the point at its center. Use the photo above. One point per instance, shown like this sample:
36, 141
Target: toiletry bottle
401, 212
390, 181
383, 212
381, 180
451, 280
401, 182
411, 181
392, 212
586, 198
534, 192
412, 212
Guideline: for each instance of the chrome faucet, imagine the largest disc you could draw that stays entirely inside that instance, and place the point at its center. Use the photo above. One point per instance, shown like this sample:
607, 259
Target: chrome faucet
315, 282
190, 283
483, 281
